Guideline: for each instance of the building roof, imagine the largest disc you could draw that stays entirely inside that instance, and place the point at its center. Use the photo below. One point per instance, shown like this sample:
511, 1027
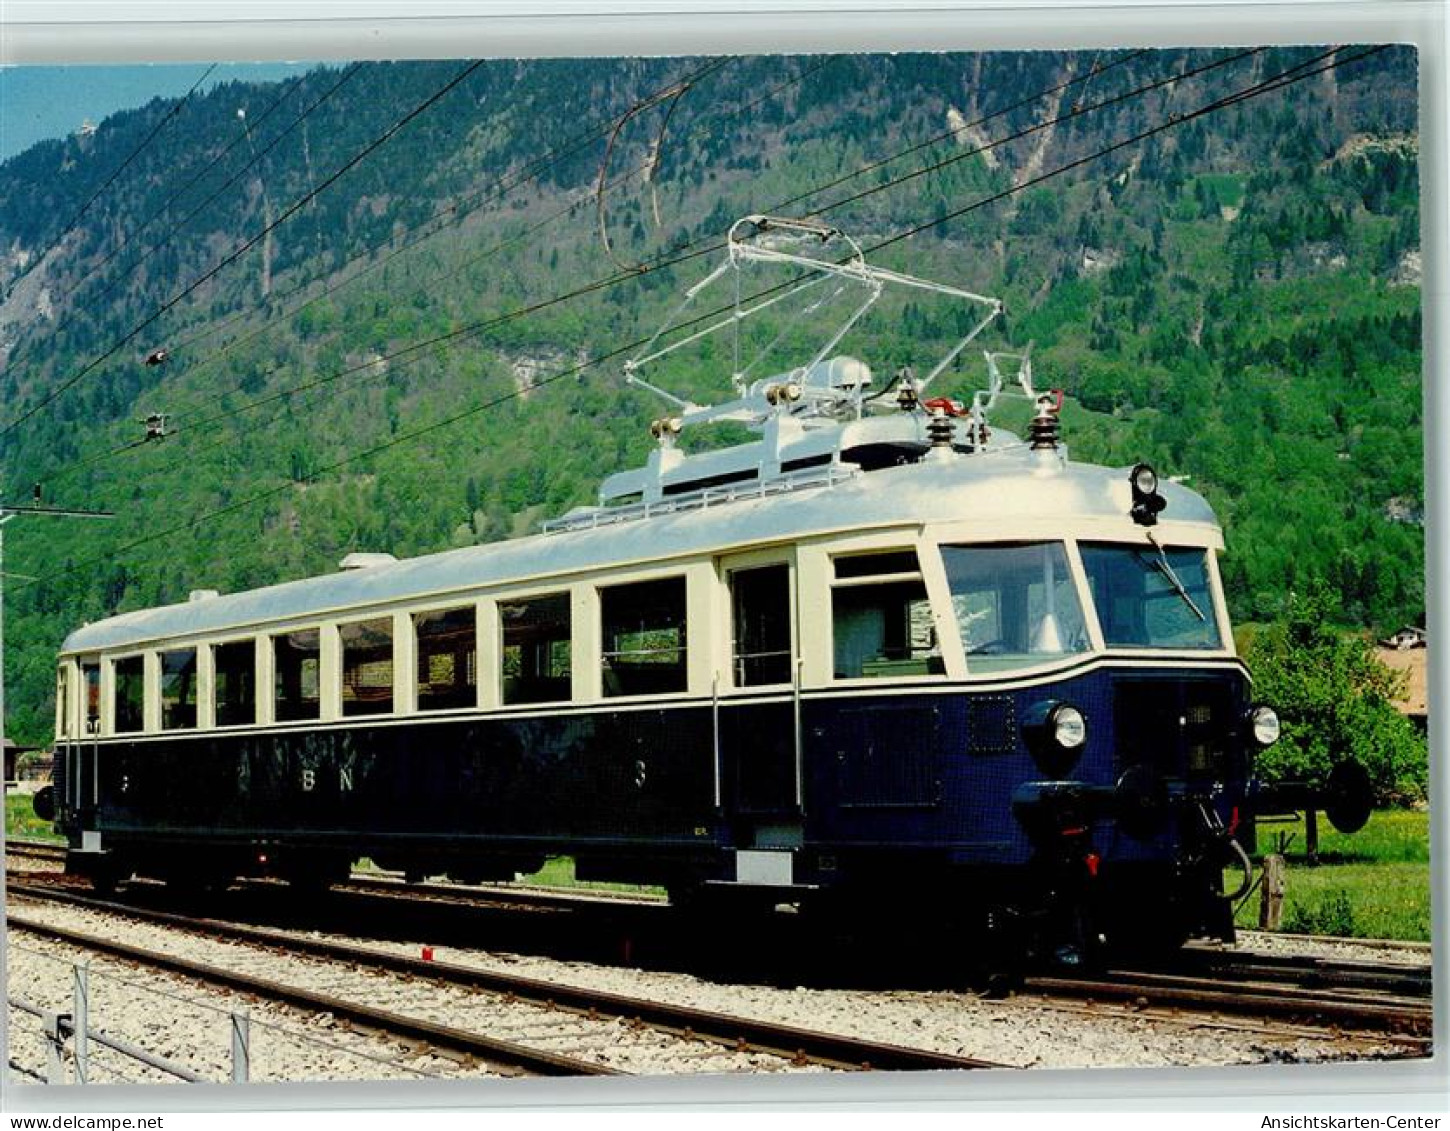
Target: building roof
1413, 662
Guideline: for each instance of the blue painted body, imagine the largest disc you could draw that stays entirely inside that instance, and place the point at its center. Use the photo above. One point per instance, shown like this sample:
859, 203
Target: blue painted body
890, 779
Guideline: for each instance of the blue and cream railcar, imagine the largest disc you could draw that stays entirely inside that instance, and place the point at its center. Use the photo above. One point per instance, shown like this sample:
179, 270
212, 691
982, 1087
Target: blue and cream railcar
882, 652
973, 667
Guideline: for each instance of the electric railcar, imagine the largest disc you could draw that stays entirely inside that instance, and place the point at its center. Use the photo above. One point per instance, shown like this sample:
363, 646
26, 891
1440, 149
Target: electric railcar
882, 652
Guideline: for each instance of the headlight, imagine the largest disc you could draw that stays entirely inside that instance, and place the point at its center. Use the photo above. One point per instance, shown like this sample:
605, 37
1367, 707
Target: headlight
1056, 735
1264, 723
1147, 503
1069, 728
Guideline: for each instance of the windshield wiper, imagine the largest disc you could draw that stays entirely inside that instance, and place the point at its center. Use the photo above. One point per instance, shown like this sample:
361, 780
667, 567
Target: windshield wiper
1160, 563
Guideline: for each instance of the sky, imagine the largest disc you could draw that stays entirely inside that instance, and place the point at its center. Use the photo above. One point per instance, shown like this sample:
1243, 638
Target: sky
37, 103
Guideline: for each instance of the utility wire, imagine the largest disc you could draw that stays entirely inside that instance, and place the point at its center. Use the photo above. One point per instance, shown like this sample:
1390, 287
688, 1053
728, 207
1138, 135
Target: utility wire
683, 254
379, 364
247, 245
126, 272
121, 168
1280, 81
434, 225
496, 191
531, 172
382, 365
957, 131
287, 90
534, 169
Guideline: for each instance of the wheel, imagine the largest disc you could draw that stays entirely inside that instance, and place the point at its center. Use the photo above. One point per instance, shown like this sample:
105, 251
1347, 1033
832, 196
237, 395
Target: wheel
105, 875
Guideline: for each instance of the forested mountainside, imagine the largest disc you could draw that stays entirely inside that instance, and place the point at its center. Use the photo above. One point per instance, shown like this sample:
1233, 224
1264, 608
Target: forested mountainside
341, 292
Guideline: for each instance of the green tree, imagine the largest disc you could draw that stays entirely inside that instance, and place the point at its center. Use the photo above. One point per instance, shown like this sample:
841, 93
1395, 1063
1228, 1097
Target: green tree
1336, 701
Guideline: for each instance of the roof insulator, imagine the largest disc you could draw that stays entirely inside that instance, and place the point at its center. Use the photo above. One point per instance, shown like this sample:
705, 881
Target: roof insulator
940, 429
1045, 428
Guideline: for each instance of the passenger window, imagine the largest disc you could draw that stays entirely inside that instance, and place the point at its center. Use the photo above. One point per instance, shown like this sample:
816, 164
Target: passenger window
62, 702
447, 649
644, 637
537, 650
91, 690
367, 667
178, 689
760, 600
130, 694
297, 661
236, 683
881, 618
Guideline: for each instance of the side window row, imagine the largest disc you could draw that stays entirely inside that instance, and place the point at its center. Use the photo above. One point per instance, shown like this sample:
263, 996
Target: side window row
644, 652
881, 627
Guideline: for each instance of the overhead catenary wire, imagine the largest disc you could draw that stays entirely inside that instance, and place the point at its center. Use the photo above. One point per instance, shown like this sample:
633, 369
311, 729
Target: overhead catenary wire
425, 231
382, 363
958, 131
435, 224
498, 188
246, 246
1282, 80
286, 90
129, 268
124, 165
533, 170
684, 253
378, 364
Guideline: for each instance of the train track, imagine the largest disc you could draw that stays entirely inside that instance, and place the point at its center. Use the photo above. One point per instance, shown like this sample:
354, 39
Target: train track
1319, 992
601, 1017
1239, 993
36, 849
391, 885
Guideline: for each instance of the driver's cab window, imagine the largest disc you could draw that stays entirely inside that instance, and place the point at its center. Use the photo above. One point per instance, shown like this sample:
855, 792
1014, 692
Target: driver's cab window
1016, 605
881, 619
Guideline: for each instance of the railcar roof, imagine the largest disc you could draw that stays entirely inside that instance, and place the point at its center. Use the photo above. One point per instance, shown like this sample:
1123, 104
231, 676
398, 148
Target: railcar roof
1003, 491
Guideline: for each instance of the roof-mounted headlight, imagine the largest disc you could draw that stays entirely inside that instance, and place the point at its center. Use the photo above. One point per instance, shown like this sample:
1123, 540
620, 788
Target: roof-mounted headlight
1146, 500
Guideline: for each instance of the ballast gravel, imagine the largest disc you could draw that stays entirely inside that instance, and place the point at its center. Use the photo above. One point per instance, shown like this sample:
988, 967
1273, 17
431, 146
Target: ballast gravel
176, 1017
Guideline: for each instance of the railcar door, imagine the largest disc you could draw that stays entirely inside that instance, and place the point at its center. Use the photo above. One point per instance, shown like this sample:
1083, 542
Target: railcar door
84, 752
758, 705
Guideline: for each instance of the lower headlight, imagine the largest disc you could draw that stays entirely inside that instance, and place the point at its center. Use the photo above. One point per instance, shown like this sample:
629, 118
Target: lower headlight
1264, 723
1069, 728
1055, 733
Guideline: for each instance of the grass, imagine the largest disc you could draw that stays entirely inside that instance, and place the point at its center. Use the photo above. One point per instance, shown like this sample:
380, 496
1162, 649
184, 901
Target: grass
1371, 884
559, 872
21, 821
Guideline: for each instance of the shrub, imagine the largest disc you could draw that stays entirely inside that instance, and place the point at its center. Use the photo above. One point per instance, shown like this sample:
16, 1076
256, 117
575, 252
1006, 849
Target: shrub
1336, 701
1331, 914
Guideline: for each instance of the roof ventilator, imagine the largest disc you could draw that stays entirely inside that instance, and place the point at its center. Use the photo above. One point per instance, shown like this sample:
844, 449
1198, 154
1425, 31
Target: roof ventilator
365, 561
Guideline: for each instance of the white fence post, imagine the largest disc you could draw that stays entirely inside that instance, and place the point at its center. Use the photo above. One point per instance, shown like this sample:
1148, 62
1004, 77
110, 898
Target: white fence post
54, 1047
81, 1020
241, 1047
